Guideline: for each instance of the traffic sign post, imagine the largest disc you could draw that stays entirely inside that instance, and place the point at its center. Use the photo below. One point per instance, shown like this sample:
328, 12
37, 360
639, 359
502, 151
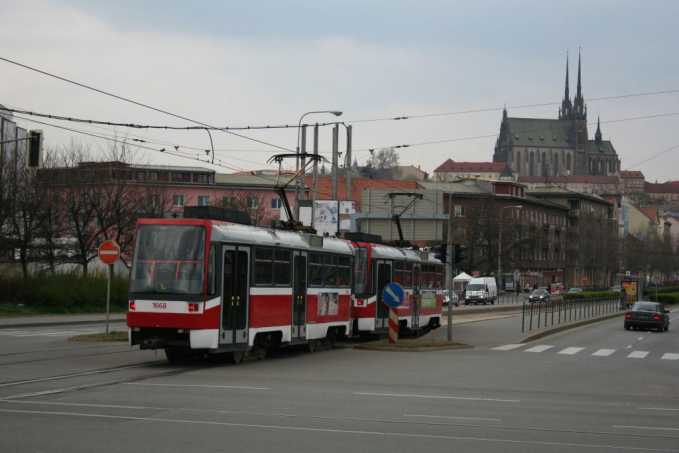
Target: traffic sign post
393, 296
109, 253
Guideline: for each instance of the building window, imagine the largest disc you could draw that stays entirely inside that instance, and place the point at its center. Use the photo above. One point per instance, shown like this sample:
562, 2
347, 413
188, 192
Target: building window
253, 202
459, 210
178, 200
227, 202
203, 200
276, 203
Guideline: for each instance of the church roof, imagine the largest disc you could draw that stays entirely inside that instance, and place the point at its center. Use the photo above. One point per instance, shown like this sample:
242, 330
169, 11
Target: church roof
631, 174
603, 147
471, 167
543, 132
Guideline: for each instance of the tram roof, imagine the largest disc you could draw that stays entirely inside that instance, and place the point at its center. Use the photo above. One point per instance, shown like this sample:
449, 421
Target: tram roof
244, 234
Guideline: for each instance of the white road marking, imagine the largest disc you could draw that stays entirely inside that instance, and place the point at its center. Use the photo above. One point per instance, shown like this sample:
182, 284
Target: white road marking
385, 434
629, 346
670, 409
442, 397
652, 428
539, 348
637, 354
640, 338
603, 352
454, 417
571, 350
204, 386
59, 403
670, 356
508, 347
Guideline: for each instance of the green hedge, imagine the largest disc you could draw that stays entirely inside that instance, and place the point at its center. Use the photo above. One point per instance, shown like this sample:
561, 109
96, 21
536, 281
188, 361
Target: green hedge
651, 290
62, 293
665, 298
592, 295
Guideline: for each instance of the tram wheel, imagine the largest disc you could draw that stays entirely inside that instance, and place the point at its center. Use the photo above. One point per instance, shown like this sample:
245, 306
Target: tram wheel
237, 357
177, 356
312, 346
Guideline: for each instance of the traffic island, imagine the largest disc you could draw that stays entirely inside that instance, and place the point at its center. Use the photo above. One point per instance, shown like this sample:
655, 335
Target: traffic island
571, 325
412, 345
114, 336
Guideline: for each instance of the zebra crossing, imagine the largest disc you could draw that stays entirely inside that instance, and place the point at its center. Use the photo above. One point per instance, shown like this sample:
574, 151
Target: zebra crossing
582, 351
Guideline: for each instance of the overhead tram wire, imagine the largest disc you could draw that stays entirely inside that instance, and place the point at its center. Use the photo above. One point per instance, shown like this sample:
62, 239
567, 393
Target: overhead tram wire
140, 104
156, 126
494, 135
515, 107
123, 142
653, 156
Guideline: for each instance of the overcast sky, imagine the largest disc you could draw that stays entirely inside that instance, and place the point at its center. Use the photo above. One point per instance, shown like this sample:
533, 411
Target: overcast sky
252, 63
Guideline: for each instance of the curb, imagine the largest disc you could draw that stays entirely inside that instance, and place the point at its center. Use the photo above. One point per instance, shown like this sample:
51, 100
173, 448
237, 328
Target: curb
59, 323
387, 348
584, 322
477, 310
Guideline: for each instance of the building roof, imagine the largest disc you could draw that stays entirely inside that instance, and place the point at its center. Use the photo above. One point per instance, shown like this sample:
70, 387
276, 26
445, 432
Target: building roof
631, 174
574, 179
542, 132
561, 192
602, 147
358, 185
665, 187
246, 180
470, 186
172, 168
471, 167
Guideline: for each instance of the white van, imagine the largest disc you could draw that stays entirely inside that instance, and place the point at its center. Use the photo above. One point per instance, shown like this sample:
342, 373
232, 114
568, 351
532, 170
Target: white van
481, 290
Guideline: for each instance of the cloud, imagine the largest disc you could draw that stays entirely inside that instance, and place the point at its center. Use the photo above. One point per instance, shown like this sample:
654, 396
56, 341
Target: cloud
240, 79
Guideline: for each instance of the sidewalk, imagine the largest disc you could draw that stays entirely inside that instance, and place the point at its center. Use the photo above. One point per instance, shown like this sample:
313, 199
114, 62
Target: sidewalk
7, 322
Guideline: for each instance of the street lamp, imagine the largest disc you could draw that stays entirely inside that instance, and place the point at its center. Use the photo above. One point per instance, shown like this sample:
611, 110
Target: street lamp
300, 178
499, 242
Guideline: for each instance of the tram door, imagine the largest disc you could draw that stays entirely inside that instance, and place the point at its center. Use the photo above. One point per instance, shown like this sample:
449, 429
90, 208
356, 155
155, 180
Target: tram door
235, 278
383, 278
299, 295
416, 299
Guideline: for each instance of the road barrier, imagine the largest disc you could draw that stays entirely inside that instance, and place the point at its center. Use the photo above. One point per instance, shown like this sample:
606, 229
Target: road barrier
540, 315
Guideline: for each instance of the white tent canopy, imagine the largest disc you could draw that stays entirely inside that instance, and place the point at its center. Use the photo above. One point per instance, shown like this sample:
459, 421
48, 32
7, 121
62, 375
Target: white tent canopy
463, 277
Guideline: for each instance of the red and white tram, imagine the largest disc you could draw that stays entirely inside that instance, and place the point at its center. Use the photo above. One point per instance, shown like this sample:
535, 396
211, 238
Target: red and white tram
420, 275
214, 286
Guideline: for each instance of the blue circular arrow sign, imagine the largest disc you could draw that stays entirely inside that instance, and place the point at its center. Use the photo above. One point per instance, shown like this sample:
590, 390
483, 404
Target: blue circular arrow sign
393, 295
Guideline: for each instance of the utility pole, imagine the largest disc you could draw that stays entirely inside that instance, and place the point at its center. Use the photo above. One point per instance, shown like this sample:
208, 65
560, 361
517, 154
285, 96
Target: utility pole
314, 183
301, 166
450, 252
347, 163
335, 157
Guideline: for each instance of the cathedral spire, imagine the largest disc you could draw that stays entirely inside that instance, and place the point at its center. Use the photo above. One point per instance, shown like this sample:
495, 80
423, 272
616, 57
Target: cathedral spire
597, 134
579, 108
566, 110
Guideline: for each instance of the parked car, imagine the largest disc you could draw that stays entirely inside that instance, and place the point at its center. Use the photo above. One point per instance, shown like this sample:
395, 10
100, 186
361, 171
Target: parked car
574, 290
647, 315
540, 295
480, 290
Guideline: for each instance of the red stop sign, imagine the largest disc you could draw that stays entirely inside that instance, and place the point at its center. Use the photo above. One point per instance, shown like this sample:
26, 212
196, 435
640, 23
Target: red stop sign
109, 252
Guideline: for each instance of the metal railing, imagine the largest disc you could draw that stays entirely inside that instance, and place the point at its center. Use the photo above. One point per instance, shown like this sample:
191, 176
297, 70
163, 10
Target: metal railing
540, 315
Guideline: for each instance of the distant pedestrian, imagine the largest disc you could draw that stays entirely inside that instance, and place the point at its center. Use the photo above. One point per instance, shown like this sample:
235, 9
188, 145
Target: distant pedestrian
623, 299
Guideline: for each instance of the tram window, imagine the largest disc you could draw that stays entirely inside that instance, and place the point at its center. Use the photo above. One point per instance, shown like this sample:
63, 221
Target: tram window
281, 267
343, 271
315, 269
263, 265
361, 271
407, 275
212, 271
329, 270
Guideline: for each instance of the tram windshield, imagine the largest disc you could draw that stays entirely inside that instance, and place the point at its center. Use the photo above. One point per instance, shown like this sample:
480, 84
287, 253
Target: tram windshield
168, 259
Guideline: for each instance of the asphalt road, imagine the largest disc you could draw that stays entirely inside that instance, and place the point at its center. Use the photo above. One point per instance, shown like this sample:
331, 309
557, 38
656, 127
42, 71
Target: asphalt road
562, 399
